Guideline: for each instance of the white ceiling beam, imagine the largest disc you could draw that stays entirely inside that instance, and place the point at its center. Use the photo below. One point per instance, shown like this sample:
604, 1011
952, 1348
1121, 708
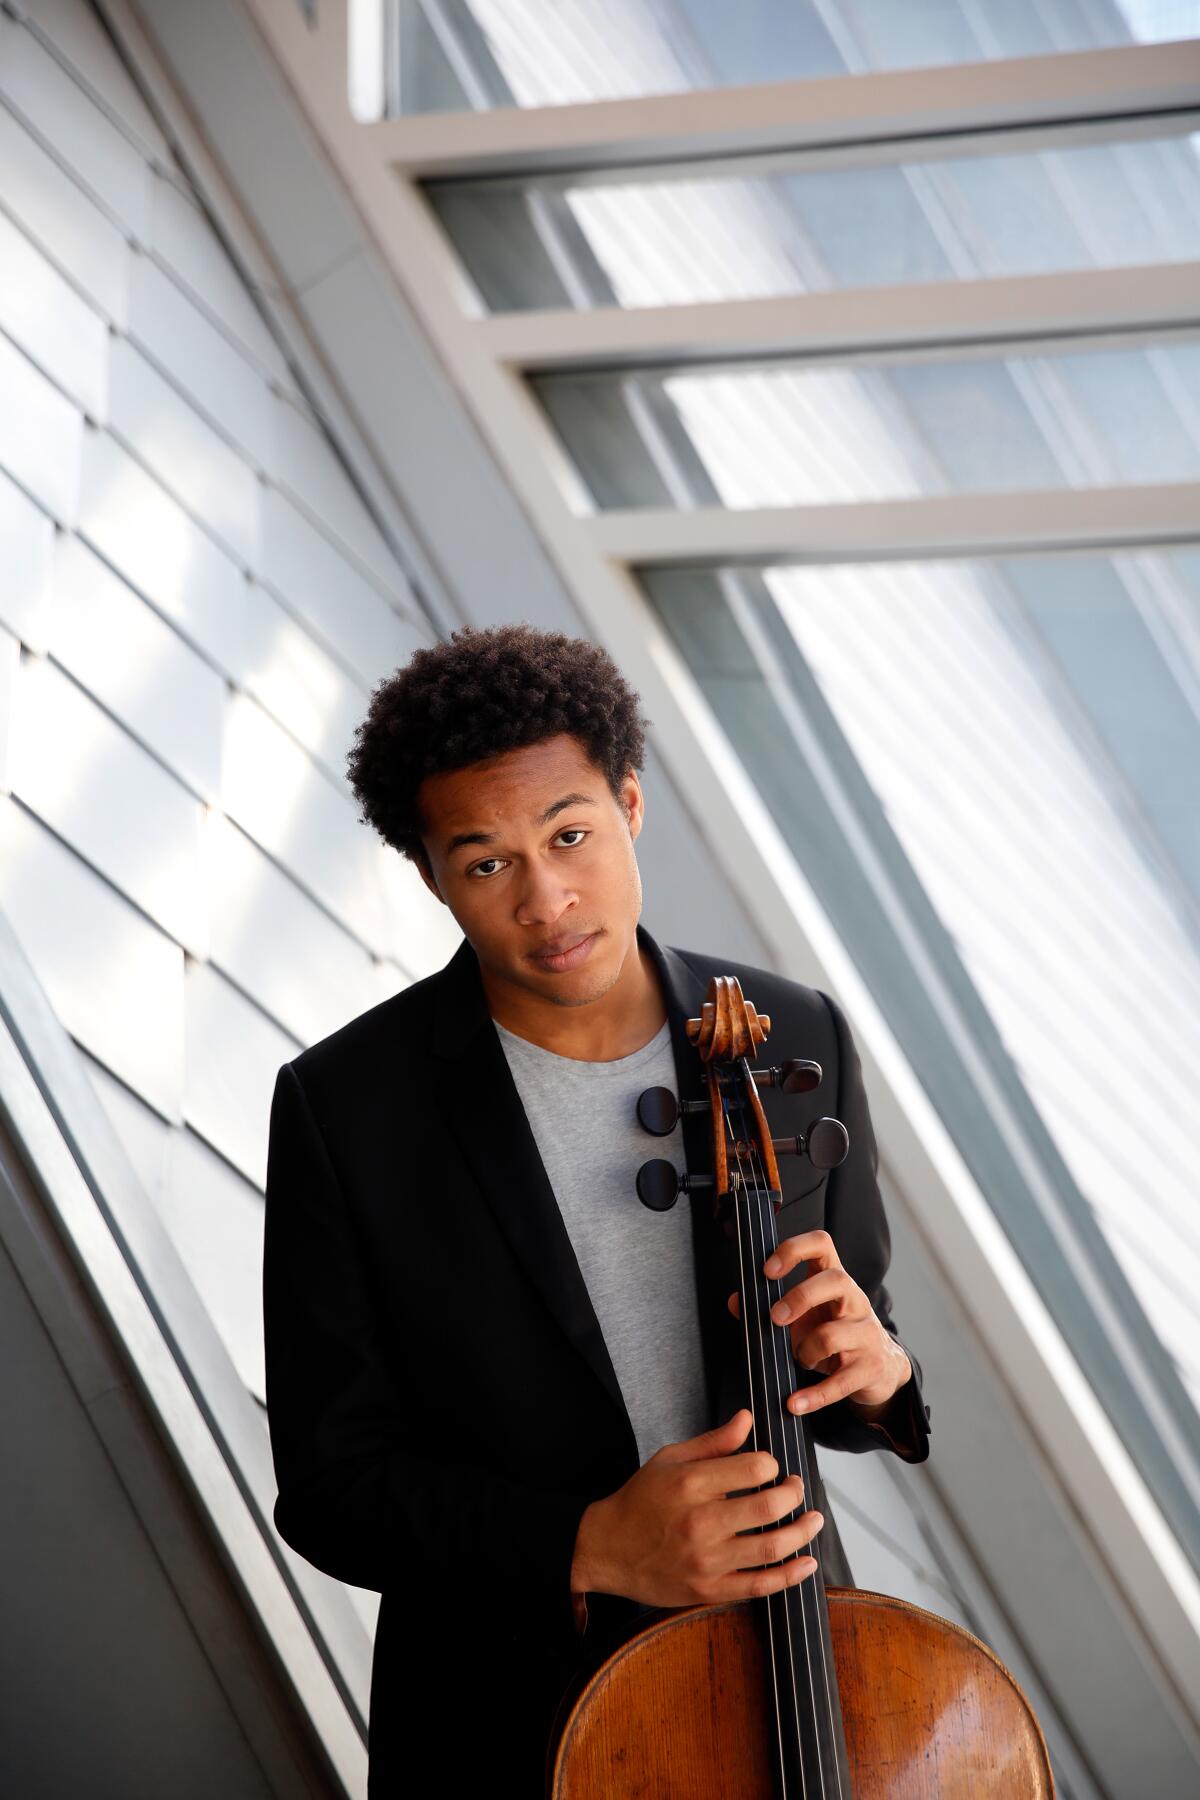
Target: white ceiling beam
876, 530
793, 115
722, 164
997, 310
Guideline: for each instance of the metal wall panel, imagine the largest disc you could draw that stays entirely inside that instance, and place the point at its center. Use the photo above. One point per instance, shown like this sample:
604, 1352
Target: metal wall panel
287, 953
63, 115
310, 472
232, 1055
280, 798
212, 1214
143, 532
40, 433
420, 933
298, 682
27, 536
46, 317
101, 792
200, 360
136, 666
182, 238
10, 656
114, 980
215, 1217
143, 1133
74, 34
214, 483
142, 616
346, 611
58, 215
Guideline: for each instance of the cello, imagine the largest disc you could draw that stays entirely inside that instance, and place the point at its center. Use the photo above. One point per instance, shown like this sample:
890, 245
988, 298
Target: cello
809, 1693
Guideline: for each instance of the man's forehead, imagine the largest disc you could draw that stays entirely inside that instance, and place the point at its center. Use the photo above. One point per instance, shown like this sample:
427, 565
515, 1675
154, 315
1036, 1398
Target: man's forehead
520, 786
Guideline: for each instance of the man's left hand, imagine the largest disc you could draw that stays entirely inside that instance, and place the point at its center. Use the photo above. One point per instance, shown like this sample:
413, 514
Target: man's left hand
833, 1328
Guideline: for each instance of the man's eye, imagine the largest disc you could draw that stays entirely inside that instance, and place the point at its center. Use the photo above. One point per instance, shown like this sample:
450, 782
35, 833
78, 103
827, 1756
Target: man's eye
573, 831
487, 866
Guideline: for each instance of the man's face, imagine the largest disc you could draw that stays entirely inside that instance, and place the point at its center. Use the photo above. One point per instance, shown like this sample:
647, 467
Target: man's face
534, 857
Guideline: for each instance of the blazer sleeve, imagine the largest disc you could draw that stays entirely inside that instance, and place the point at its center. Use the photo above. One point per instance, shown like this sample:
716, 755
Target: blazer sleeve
855, 1219
358, 1495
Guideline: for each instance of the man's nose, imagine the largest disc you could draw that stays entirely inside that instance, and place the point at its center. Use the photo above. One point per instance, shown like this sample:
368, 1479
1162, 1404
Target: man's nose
545, 897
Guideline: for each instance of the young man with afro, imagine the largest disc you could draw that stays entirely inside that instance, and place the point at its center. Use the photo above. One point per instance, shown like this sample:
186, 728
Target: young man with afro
501, 1392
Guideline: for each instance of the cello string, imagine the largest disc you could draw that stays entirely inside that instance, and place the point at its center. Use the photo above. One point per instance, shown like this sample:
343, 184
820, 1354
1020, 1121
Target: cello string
752, 1292
806, 1597
749, 1290
784, 1349
758, 1187
754, 1439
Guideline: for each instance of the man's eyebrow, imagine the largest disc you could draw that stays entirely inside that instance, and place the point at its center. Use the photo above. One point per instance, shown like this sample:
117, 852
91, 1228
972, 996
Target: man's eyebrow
560, 806
467, 837
486, 837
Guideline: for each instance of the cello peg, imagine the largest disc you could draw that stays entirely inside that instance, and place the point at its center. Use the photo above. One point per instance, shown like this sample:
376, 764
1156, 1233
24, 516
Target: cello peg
799, 1077
659, 1184
827, 1143
794, 1077
658, 1110
658, 1113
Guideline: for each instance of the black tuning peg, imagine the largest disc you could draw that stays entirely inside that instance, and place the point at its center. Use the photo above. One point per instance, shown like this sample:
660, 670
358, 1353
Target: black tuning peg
659, 1183
794, 1076
827, 1142
658, 1113
658, 1110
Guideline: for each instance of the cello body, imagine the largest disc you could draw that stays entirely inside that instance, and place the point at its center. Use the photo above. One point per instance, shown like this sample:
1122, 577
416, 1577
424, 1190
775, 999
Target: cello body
681, 1711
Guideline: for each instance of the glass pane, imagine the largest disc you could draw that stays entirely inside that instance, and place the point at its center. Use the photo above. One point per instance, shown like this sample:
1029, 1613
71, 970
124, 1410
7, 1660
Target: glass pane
795, 435
810, 226
550, 52
1012, 741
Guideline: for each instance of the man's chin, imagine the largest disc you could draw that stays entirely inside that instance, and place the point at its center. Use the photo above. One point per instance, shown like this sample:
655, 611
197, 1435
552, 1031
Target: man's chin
560, 996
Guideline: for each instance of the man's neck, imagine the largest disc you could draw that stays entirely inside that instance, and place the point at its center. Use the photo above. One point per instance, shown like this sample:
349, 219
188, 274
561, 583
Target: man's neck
615, 1025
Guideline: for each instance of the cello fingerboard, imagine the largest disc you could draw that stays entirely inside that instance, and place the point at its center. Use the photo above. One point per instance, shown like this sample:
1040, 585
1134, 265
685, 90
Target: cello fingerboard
811, 1744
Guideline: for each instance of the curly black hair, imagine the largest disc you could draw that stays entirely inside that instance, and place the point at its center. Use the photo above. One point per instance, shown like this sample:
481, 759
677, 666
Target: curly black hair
474, 697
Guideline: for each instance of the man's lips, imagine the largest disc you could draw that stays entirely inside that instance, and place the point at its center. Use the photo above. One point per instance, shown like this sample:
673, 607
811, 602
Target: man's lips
565, 953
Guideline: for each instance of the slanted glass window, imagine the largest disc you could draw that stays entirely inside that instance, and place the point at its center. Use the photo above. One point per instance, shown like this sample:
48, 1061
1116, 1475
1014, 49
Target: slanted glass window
986, 770
815, 221
552, 52
887, 429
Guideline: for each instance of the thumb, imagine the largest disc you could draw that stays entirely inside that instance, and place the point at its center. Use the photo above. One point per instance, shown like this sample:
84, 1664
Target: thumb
720, 1441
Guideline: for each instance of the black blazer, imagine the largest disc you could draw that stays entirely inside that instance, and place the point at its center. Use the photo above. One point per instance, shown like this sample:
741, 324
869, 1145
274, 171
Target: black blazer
441, 1403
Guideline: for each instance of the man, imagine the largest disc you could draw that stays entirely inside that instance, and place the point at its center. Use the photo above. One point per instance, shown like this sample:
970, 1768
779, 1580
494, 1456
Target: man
501, 1392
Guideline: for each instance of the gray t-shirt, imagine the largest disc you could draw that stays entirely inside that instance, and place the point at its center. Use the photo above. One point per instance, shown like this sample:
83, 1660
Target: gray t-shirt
637, 1264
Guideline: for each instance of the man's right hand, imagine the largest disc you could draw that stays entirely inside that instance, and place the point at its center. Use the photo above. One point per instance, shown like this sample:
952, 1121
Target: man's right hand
669, 1536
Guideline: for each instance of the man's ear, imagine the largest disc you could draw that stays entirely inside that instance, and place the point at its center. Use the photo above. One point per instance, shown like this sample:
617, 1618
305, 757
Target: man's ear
633, 803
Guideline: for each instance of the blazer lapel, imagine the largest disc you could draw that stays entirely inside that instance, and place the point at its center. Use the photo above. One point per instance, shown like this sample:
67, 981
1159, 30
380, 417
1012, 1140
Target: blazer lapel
483, 1111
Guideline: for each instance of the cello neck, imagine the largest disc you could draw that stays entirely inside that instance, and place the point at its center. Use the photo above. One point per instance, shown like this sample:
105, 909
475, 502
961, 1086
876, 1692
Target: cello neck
811, 1745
